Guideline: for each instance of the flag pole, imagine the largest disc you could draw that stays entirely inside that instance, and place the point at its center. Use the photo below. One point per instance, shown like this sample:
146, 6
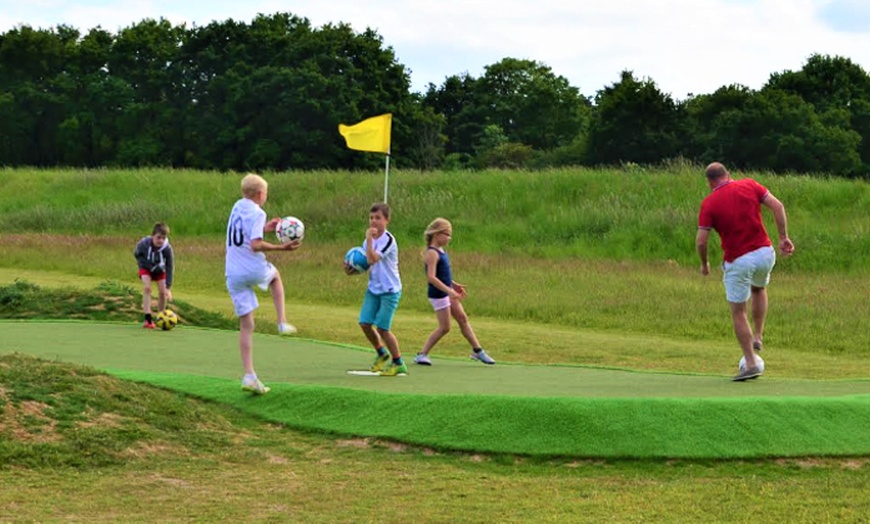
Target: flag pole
386, 177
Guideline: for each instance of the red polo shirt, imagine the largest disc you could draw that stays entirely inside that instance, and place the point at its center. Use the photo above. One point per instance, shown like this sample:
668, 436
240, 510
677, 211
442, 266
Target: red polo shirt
733, 209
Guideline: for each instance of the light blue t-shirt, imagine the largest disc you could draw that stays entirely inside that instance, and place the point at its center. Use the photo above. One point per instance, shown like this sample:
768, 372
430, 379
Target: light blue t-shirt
384, 276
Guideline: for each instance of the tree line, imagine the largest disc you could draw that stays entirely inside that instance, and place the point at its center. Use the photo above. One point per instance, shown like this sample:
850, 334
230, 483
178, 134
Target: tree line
269, 95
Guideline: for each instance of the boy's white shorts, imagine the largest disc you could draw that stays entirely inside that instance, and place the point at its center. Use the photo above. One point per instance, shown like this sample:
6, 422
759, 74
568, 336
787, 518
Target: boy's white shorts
751, 269
242, 293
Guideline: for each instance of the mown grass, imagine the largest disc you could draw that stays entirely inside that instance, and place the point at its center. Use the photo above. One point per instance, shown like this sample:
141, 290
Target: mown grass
564, 266
644, 299
80, 445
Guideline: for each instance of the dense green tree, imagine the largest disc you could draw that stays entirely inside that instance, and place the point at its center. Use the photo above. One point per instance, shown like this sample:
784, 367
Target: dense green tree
273, 93
531, 104
825, 81
833, 83
772, 129
524, 98
33, 80
464, 114
152, 127
270, 94
710, 115
633, 121
96, 102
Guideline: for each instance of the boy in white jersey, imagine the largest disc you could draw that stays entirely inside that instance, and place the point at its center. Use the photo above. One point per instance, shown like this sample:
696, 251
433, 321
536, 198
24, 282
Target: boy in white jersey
383, 293
246, 267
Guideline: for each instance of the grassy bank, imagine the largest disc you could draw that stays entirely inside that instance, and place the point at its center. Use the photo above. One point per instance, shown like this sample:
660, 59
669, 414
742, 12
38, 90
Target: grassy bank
80, 445
606, 292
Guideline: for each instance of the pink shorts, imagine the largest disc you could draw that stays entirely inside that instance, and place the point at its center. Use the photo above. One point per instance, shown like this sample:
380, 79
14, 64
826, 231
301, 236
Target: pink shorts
440, 303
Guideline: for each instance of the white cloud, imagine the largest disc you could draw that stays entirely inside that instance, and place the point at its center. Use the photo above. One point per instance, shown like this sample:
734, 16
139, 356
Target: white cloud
685, 46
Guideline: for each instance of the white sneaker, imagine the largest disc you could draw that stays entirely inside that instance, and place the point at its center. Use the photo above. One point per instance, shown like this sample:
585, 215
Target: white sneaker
253, 385
286, 329
422, 359
482, 356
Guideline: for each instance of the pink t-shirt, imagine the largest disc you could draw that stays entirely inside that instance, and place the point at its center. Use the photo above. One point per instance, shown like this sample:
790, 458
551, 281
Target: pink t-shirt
733, 209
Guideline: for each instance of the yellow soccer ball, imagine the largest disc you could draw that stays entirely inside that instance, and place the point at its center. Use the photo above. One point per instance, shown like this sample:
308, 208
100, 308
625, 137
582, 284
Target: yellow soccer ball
166, 320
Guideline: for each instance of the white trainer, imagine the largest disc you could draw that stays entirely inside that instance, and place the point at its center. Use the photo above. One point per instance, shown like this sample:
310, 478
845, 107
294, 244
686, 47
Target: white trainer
482, 356
286, 329
253, 385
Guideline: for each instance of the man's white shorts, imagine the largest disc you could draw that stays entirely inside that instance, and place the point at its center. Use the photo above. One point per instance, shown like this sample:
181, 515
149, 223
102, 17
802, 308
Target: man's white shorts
242, 289
751, 269
440, 303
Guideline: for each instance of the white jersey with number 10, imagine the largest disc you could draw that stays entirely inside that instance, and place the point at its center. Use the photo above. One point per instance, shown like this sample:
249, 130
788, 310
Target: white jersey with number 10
246, 223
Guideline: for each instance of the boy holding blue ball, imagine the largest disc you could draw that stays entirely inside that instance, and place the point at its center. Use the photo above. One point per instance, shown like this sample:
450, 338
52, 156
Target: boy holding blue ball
382, 294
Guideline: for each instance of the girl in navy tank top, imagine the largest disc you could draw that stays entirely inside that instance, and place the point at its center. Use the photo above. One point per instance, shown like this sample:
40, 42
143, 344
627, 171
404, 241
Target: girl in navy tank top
445, 294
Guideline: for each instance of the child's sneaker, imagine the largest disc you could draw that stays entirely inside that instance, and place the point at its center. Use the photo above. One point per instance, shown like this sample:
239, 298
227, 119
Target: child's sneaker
254, 386
149, 324
395, 370
482, 356
422, 359
380, 363
747, 374
286, 329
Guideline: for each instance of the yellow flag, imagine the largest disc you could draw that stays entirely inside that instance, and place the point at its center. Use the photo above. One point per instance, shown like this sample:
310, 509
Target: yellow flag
372, 134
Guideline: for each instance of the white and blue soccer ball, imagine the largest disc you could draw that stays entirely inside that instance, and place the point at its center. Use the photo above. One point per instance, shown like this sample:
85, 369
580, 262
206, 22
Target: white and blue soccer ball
290, 229
741, 366
356, 258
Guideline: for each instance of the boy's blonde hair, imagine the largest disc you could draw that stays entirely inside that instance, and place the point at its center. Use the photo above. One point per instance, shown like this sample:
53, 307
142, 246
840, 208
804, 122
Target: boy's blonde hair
439, 225
252, 184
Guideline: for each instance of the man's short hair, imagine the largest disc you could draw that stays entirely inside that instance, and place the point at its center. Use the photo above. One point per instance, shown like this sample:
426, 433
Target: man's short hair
716, 170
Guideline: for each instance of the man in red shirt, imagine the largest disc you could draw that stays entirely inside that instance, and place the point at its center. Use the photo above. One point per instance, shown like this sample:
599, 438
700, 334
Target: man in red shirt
733, 209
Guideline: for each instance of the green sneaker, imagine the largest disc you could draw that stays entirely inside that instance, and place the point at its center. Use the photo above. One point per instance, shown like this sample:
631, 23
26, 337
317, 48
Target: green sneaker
395, 370
380, 363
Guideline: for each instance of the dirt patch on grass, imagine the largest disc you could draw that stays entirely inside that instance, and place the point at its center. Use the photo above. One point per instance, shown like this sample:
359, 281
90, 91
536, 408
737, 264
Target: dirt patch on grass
102, 420
143, 450
177, 483
358, 443
27, 422
276, 459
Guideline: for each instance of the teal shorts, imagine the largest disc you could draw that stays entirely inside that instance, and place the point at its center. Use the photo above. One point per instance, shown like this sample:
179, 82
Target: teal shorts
379, 309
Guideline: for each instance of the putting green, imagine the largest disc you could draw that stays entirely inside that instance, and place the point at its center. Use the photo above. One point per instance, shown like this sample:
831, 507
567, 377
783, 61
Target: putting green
214, 353
465, 405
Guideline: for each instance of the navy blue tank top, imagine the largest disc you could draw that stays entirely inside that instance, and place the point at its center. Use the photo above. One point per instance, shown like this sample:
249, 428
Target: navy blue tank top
442, 271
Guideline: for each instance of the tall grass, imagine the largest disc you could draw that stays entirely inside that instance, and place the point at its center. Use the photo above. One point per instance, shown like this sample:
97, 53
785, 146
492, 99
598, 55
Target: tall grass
617, 214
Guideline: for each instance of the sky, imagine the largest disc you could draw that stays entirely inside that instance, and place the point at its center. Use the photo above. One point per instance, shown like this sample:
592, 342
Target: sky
685, 46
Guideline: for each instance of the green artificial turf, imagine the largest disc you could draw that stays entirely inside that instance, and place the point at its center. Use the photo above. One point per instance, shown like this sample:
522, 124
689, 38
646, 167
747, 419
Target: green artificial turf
464, 405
